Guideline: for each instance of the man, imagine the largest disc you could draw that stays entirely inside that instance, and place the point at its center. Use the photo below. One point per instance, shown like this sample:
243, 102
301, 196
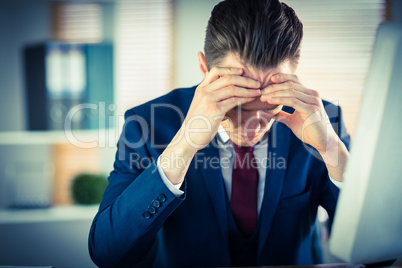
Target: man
235, 167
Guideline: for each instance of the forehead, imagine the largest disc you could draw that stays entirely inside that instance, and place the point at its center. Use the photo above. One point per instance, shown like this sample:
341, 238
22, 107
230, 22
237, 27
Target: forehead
262, 75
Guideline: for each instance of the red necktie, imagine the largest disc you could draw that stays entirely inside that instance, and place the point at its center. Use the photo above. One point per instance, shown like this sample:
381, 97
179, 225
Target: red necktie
244, 189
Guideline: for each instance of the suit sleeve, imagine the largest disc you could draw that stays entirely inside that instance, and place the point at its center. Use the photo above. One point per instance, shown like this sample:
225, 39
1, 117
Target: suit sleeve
329, 191
135, 204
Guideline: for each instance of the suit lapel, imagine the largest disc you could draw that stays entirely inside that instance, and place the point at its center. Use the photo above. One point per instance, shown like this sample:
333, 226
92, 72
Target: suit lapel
213, 178
278, 150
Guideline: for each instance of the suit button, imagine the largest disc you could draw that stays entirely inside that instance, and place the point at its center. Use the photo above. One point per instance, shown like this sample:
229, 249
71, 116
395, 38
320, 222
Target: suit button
162, 198
156, 203
152, 209
146, 215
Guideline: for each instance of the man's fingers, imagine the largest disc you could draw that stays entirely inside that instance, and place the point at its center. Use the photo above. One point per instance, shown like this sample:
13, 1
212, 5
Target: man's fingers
295, 103
233, 91
292, 94
230, 103
216, 72
235, 80
287, 85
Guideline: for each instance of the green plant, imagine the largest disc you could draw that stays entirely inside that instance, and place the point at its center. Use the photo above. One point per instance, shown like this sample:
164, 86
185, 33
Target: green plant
88, 188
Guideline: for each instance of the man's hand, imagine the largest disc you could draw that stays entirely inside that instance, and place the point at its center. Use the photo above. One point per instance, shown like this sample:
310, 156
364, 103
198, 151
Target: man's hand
309, 122
222, 90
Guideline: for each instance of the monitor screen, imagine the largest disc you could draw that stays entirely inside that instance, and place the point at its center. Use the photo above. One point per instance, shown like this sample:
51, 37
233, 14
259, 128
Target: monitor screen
368, 221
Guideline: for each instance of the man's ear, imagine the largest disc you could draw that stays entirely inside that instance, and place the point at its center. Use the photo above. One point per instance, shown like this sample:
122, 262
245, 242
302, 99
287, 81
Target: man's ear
203, 64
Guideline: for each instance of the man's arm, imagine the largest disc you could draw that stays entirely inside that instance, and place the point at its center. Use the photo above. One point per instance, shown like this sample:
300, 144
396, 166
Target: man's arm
125, 227
329, 189
221, 90
127, 222
335, 158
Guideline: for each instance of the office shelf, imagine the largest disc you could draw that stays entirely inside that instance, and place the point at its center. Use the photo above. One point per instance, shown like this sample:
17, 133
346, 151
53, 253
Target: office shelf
79, 138
52, 214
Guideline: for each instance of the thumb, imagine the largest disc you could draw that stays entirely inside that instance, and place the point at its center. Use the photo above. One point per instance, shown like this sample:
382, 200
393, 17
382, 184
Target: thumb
283, 117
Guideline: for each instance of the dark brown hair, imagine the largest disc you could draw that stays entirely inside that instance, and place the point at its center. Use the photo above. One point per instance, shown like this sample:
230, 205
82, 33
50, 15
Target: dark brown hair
264, 33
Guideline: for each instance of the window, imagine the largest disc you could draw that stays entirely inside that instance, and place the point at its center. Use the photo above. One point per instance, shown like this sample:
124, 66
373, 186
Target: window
336, 50
77, 22
143, 51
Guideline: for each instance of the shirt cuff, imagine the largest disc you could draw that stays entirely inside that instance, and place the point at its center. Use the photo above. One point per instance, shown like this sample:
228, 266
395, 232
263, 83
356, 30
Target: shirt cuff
174, 188
336, 183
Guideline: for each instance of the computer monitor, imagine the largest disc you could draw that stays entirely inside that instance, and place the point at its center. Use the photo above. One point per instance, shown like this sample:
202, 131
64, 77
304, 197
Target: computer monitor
368, 221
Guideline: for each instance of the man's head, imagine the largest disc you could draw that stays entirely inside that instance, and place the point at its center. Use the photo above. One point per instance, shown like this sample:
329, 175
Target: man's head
263, 38
263, 33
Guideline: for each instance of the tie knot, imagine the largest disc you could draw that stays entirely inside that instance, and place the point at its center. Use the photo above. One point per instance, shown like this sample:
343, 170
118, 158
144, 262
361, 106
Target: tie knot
242, 149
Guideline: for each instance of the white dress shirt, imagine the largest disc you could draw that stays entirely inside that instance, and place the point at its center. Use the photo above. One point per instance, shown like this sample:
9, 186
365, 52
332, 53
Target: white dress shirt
226, 150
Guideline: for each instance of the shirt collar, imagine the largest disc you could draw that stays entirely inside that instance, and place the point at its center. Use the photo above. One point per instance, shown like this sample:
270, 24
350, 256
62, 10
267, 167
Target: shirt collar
223, 135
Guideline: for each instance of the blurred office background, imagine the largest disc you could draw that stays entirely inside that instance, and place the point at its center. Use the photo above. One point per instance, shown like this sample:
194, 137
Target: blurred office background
114, 55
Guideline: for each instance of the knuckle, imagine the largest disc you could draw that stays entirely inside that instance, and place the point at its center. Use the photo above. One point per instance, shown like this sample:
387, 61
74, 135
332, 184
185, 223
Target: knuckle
214, 69
315, 93
227, 79
253, 83
231, 70
290, 84
276, 86
213, 108
272, 95
207, 97
218, 107
231, 89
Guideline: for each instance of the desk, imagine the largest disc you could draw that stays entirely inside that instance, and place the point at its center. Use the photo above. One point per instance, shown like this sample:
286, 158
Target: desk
331, 265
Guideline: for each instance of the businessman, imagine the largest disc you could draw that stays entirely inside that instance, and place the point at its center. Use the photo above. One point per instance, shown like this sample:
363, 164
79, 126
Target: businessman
230, 172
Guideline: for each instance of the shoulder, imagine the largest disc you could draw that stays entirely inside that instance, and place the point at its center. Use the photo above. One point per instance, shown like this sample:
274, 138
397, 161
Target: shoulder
172, 102
159, 119
333, 110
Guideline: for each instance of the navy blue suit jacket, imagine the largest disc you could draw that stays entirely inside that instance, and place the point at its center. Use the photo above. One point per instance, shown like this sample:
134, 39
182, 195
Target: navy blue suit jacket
192, 230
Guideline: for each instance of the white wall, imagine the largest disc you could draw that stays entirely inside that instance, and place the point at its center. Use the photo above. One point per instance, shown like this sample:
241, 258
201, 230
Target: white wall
190, 21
